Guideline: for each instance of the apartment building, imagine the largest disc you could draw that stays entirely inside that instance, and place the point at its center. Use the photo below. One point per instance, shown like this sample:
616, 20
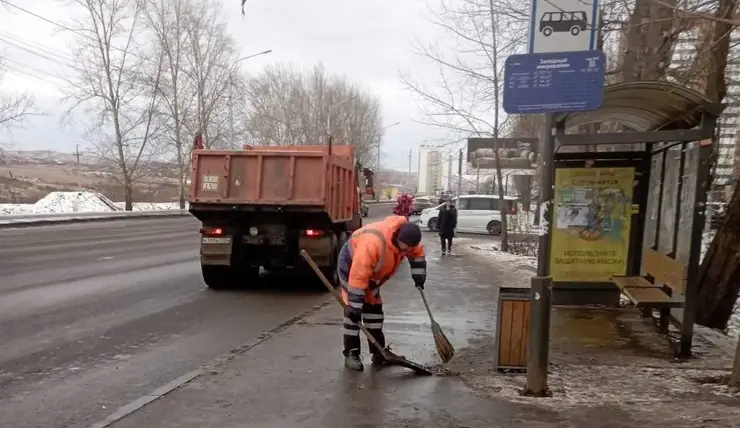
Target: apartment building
435, 167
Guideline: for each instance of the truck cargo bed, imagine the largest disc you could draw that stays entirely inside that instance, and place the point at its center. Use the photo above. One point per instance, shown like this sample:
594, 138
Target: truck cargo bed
296, 176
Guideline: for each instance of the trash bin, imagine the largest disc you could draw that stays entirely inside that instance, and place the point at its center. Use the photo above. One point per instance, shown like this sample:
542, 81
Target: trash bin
512, 328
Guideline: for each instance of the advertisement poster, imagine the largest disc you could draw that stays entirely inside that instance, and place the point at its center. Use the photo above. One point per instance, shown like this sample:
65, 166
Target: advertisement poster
591, 224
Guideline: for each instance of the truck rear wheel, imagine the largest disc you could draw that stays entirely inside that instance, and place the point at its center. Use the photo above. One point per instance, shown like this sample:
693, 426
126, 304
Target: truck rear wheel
229, 277
216, 277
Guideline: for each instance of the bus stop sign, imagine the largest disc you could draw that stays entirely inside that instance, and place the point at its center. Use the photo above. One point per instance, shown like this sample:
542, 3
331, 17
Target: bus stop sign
554, 82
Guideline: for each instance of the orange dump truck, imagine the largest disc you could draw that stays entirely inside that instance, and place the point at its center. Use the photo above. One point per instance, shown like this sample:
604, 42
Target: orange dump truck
260, 206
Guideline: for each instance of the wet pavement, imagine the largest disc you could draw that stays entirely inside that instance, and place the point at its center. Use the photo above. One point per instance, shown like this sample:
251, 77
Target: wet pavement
95, 315
296, 379
123, 343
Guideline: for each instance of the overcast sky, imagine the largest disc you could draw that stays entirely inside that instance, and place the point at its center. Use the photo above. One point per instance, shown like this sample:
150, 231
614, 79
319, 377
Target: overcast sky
366, 41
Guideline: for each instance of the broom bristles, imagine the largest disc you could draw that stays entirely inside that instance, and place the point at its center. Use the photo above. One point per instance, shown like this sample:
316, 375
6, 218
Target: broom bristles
445, 350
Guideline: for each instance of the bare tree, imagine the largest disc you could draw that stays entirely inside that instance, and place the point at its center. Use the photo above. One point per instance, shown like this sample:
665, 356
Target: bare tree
112, 87
165, 20
285, 106
14, 108
470, 83
211, 63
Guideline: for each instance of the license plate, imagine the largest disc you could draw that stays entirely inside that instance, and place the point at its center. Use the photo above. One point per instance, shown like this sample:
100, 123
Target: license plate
208, 240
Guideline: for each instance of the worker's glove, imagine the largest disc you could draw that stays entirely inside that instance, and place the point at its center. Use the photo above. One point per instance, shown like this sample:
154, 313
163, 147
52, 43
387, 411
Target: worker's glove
354, 314
419, 283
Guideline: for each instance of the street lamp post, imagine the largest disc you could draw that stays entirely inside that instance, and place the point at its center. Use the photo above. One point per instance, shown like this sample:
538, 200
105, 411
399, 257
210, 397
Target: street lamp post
231, 90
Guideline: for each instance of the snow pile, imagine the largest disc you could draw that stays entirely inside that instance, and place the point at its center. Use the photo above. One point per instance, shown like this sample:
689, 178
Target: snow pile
73, 202
80, 202
493, 252
16, 209
578, 385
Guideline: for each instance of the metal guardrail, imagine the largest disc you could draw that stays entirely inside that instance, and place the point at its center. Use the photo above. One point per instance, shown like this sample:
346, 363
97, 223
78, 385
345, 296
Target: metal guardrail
7, 221
27, 220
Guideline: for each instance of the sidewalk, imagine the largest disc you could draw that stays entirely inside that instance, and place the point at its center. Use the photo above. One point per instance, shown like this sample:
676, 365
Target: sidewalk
296, 378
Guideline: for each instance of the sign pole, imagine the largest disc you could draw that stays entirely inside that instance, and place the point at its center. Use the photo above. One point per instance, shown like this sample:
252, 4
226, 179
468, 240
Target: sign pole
538, 357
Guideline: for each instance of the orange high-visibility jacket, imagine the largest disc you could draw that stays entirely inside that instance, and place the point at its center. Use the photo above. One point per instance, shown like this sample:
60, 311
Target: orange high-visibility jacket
375, 259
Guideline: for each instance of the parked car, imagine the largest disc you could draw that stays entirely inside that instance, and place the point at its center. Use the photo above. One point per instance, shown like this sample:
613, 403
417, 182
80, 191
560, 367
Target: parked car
364, 209
420, 204
475, 213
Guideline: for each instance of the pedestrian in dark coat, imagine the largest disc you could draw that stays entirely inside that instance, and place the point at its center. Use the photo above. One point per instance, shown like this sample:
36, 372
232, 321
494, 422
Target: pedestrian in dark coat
447, 222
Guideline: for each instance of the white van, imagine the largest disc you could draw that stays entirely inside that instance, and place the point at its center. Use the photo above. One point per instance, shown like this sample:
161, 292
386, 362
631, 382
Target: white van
475, 213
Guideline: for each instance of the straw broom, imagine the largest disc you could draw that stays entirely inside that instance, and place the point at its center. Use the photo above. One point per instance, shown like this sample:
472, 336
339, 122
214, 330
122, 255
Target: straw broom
444, 348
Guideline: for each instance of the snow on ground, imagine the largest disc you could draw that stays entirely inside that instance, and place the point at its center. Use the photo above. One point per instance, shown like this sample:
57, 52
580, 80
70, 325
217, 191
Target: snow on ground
493, 252
79, 202
73, 202
576, 385
16, 209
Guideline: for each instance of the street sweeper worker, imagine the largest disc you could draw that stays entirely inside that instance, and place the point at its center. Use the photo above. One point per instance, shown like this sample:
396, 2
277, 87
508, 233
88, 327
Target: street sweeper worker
368, 260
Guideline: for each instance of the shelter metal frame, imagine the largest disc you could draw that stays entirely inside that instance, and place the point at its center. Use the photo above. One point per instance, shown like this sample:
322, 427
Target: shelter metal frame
660, 115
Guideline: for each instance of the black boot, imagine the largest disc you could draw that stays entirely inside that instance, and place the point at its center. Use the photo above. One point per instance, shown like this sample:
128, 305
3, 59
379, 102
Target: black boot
353, 361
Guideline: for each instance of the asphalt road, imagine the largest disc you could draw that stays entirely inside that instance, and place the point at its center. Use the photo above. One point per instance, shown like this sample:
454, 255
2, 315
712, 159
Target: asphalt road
93, 316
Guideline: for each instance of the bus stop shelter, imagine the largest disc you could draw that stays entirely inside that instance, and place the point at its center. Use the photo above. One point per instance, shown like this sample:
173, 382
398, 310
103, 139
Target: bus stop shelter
633, 202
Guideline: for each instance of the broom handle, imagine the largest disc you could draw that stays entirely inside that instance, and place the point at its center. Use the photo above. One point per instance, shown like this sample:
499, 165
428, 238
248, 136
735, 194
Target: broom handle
426, 304
338, 296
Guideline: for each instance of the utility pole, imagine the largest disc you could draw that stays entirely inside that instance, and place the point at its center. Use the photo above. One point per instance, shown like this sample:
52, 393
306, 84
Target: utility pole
459, 173
418, 172
408, 177
79, 169
449, 172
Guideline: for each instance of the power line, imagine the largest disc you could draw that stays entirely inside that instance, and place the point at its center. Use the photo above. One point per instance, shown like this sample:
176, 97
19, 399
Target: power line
33, 45
24, 73
35, 70
40, 55
76, 31
38, 16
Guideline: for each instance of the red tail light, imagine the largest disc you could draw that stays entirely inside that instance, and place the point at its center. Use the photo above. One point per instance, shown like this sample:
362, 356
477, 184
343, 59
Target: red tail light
314, 232
212, 231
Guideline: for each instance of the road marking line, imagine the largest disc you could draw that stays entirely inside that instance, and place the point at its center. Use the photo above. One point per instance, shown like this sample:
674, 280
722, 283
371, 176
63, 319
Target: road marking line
165, 389
106, 258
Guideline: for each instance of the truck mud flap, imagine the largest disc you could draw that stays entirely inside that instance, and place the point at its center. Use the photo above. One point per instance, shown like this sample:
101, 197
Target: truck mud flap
321, 249
216, 250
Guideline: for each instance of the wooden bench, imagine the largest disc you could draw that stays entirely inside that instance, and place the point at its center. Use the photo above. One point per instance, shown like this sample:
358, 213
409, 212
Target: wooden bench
665, 279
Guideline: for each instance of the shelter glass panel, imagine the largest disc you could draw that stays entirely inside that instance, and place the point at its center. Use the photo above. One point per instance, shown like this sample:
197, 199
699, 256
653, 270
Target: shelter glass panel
651, 209
688, 199
669, 205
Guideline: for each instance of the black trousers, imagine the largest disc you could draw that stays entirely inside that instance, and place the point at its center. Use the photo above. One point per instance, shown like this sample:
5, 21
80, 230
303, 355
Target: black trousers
372, 319
447, 241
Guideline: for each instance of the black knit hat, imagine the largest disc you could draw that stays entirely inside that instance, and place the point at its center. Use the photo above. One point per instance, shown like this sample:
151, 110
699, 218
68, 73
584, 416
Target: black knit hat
409, 234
